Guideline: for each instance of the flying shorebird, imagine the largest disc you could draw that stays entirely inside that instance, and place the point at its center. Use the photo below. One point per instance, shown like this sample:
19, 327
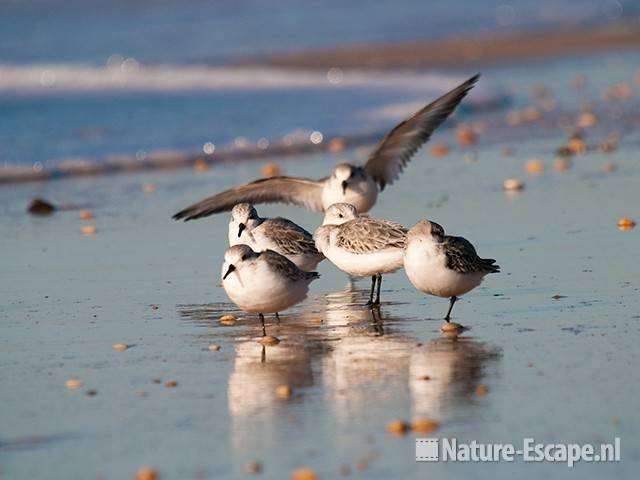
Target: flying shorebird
354, 184
360, 245
263, 282
277, 234
442, 265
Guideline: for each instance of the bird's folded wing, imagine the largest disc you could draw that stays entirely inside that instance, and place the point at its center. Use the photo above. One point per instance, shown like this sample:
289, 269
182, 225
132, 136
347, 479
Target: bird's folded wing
299, 191
396, 149
367, 235
286, 267
291, 238
462, 257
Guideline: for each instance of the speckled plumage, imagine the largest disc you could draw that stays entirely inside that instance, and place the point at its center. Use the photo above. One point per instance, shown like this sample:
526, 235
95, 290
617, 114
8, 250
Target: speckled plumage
367, 235
288, 236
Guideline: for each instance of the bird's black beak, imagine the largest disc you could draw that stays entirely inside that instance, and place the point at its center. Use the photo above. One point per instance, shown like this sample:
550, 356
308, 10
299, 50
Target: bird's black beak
345, 184
229, 270
241, 228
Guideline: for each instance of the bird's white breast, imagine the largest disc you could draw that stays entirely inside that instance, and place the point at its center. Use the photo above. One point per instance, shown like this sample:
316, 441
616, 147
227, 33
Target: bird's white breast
259, 289
426, 268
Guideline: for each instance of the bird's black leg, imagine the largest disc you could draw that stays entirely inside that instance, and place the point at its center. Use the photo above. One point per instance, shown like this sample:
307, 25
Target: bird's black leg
373, 287
452, 300
377, 302
264, 330
278, 318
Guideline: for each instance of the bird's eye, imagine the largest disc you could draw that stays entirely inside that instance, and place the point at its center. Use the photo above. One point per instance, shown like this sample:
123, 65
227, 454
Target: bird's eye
244, 257
340, 215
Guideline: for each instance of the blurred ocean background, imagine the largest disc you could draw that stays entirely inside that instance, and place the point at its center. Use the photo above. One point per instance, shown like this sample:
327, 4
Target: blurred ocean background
90, 79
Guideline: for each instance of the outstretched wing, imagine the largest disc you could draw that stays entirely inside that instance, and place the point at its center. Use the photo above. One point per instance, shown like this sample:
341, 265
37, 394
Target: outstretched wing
299, 191
289, 237
462, 257
367, 235
396, 149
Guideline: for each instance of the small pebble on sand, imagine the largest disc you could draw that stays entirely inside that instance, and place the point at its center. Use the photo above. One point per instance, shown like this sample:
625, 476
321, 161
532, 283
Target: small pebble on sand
39, 206
439, 150
170, 384
213, 347
283, 391
586, 120
424, 425
270, 170
147, 473
626, 224
148, 187
398, 427
91, 393
451, 327
201, 165
466, 136
227, 320
88, 230
86, 215
513, 185
534, 166
336, 144
119, 347
481, 390
253, 468
609, 167
269, 340
304, 474
561, 164
73, 383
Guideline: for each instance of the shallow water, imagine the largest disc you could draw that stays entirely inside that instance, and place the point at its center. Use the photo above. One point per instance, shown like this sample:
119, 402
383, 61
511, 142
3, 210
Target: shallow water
558, 370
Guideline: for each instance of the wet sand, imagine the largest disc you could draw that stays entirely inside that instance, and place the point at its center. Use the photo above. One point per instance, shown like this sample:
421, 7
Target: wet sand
552, 339
461, 53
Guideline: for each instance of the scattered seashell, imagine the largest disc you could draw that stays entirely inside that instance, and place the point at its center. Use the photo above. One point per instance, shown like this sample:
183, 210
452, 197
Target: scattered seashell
253, 468
577, 146
609, 167
586, 120
201, 165
88, 230
626, 224
213, 347
398, 427
73, 383
270, 170
148, 187
424, 425
513, 185
91, 393
283, 391
120, 347
439, 150
561, 164
227, 320
304, 474
466, 136
481, 390
507, 151
534, 166
86, 215
39, 206
451, 327
269, 340
146, 473
336, 144
170, 384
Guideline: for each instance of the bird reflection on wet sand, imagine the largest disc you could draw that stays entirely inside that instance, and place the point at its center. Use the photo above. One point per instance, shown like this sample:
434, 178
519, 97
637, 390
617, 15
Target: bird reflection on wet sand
345, 362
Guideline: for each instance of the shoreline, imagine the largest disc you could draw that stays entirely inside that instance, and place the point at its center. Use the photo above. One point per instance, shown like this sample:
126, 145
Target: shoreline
463, 52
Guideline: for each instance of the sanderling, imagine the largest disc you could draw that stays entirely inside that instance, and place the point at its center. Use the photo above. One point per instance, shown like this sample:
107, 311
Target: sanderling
357, 185
277, 234
443, 265
359, 245
263, 282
